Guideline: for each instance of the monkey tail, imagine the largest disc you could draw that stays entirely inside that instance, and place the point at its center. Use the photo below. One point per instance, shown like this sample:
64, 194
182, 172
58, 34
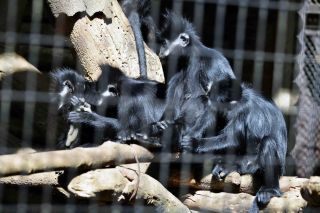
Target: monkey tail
136, 28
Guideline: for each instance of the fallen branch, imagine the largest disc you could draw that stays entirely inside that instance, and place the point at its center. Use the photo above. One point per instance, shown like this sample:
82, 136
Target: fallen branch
226, 202
119, 183
232, 183
108, 153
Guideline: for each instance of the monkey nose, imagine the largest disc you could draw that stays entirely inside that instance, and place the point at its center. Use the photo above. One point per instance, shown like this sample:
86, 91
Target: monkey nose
162, 53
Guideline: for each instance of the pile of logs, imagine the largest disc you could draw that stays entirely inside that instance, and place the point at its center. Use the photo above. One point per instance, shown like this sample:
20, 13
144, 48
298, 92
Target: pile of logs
115, 176
110, 172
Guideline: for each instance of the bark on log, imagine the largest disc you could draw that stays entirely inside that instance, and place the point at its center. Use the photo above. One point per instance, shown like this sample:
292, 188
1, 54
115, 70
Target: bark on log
38, 179
226, 202
105, 37
227, 185
236, 183
311, 191
119, 183
232, 183
109, 154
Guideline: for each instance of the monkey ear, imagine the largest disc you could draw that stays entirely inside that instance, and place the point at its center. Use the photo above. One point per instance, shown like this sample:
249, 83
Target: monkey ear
184, 39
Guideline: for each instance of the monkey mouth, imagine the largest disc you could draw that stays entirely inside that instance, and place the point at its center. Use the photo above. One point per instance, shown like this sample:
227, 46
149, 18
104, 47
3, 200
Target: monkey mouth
163, 53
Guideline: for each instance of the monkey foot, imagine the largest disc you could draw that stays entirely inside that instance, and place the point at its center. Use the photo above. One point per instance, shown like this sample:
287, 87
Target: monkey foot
264, 195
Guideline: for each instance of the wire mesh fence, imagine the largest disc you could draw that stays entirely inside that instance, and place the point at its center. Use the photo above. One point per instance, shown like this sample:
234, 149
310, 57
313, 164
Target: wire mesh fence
259, 38
307, 141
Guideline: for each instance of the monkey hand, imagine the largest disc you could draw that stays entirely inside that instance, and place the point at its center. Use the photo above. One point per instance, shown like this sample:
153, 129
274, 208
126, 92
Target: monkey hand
76, 117
75, 101
160, 126
220, 171
188, 143
79, 104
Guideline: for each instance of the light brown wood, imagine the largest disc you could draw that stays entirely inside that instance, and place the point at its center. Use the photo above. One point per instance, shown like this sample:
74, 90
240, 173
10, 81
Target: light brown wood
108, 153
12, 63
104, 36
235, 183
37, 179
119, 183
227, 202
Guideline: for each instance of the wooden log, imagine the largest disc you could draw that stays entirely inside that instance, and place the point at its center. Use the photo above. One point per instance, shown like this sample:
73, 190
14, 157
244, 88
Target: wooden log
105, 37
291, 201
109, 154
118, 183
235, 183
38, 179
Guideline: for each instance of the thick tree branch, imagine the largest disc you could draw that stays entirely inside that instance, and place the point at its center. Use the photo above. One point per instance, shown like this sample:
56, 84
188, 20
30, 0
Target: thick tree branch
226, 202
37, 179
235, 183
119, 183
107, 154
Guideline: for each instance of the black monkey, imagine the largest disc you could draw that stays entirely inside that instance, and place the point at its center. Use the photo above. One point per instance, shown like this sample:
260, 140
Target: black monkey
66, 83
200, 67
143, 26
210, 111
256, 133
103, 96
139, 102
75, 96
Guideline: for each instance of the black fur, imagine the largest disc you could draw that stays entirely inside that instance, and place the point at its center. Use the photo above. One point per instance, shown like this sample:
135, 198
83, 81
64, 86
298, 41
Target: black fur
256, 133
200, 67
139, 15
137, 103
210, 111
65, 84
254, 126
74, 104
141, 103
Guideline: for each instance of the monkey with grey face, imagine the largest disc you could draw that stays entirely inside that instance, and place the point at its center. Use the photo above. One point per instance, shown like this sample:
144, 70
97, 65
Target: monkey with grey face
199, 67
67, 89
75, 96
65, 84
255, 130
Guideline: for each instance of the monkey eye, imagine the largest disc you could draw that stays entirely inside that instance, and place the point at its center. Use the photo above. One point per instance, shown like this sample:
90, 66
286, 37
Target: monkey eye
183, 38
69, 85
112, 89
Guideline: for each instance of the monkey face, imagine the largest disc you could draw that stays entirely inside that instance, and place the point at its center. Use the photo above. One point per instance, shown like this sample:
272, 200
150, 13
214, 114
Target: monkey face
66, 83
175, 47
